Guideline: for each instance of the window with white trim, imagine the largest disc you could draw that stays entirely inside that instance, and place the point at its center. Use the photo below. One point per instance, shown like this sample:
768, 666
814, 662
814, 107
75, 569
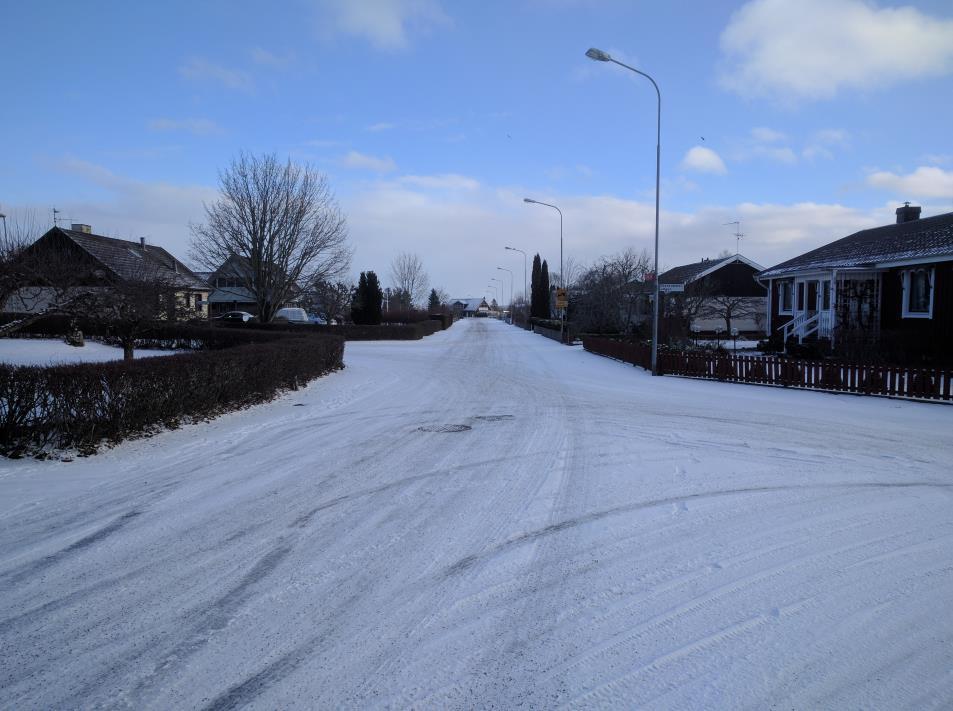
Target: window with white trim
785, 297
918, 293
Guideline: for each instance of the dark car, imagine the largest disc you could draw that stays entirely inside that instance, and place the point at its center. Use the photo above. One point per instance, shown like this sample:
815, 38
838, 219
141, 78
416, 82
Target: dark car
236, 317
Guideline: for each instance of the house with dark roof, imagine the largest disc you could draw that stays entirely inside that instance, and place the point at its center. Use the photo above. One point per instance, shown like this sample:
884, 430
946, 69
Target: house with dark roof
715, 295
887, 290
469, 306
80, 260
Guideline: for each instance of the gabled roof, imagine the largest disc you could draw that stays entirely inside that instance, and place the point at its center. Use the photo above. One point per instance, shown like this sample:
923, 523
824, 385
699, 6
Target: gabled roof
696, 270
470, 303
877, 247
125, 258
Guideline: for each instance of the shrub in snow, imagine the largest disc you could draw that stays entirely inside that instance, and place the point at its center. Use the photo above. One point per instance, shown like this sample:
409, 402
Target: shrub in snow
81, 406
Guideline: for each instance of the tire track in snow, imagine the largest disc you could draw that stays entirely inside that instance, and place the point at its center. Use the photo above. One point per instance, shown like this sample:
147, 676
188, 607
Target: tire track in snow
469, 561
36, 567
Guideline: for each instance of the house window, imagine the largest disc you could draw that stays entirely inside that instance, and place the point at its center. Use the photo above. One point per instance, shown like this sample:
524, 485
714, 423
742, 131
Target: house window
826, 295
800, 296
784, 297
918, 293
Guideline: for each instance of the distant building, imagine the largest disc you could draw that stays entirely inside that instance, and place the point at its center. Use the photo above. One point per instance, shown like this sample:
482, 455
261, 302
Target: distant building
469, 306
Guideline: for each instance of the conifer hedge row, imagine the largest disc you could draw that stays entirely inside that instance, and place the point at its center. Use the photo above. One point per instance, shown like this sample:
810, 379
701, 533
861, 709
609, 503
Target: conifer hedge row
82, 406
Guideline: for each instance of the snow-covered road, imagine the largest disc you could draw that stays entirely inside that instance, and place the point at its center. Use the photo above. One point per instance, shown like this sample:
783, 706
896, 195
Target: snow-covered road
595, 538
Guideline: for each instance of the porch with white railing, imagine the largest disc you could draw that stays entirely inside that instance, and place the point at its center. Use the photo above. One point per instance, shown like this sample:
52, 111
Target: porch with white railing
808, 323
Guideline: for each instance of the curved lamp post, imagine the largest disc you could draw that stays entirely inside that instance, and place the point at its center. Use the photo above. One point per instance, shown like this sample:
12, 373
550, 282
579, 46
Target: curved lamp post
562, 277
525, 283
504, 269
600, 56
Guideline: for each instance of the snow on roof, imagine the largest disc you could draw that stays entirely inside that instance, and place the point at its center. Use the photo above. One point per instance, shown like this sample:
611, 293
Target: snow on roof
916, 239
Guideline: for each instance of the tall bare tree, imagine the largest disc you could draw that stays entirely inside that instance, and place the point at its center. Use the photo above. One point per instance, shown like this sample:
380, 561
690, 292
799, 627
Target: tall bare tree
606, 296
282, 223
19, 230
408, 276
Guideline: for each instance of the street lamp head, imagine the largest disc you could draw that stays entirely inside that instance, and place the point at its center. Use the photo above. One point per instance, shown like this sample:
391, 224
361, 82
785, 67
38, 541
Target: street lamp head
598, 55
528, 200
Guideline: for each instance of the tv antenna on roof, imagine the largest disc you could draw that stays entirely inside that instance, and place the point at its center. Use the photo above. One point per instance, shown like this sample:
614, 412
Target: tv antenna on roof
738, 234
56, 220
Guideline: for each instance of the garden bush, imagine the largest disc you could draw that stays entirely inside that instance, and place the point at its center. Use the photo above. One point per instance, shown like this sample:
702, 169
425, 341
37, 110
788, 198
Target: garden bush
81, 406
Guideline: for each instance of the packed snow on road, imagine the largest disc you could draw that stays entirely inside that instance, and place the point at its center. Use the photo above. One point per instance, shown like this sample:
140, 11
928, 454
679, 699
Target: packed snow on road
488, 519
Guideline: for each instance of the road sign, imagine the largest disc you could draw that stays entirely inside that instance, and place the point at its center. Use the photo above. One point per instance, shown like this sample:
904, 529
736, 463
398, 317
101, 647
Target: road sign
670, 288
562, 299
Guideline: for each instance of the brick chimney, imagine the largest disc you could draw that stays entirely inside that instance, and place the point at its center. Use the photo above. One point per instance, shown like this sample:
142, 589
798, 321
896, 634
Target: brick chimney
77, 227
908, 213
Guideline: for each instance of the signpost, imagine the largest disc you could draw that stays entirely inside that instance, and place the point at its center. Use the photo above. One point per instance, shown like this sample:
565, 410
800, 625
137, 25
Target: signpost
671, 288
562, 299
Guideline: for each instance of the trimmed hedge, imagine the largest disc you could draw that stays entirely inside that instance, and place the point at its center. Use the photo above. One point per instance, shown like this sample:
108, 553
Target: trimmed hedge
352, 332
81, 406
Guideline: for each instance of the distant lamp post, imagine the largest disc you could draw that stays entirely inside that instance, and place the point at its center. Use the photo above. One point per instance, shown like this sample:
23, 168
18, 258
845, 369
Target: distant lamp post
504, 269
4, 218
500, 292
600, 56
525, 282
562, 277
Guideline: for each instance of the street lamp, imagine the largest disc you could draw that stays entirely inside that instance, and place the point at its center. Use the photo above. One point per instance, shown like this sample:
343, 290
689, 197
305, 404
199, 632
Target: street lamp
4, 218
504, 269
562, 277
600, 56
502, 291
525, 283
492, 286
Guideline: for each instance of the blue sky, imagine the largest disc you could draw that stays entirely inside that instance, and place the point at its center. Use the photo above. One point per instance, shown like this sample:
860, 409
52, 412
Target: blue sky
804, 119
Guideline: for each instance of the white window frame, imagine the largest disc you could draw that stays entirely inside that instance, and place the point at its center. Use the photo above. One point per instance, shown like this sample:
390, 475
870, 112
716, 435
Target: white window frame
905, 301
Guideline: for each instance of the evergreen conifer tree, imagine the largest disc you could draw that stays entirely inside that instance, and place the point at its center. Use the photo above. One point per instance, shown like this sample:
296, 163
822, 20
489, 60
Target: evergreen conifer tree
534, 288
360, 298
434, 301
372, 300
544, 291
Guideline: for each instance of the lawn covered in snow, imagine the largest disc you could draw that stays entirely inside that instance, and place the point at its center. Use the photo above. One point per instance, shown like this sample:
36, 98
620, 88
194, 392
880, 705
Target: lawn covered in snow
488, 519
53, 351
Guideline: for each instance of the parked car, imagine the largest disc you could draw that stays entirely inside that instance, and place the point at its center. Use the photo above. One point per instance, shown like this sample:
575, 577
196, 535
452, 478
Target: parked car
317, 320
291, 314
236, 316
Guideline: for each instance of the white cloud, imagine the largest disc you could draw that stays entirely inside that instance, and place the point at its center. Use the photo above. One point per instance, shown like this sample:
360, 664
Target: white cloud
822, 143
269, 59
363, 161
765, 143
386, 24
198, 69
924, 182
448, 181
198, 126
763, 134
703, 160
132, 208
810, 49
461, 234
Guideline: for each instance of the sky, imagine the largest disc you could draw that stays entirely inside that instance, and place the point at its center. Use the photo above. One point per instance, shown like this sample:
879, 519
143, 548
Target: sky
805, 120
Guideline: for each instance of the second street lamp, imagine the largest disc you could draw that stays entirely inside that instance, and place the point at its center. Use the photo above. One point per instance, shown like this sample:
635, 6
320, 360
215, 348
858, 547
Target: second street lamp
504, 269
525, 282
600, 56
562, 278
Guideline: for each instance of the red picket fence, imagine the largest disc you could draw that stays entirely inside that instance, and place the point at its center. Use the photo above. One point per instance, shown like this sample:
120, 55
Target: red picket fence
832, 376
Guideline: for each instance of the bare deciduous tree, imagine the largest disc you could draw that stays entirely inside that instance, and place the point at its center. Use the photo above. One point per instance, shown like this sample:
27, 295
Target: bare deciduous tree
282, 222
732, 308
408, 276
19, 230
606, 296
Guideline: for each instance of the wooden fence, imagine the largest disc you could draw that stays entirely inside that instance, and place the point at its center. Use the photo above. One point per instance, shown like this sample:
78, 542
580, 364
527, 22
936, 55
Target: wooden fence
832, 376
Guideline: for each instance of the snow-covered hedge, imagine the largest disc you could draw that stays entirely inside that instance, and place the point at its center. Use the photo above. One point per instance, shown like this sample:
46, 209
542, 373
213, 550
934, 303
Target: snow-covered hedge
81, 406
